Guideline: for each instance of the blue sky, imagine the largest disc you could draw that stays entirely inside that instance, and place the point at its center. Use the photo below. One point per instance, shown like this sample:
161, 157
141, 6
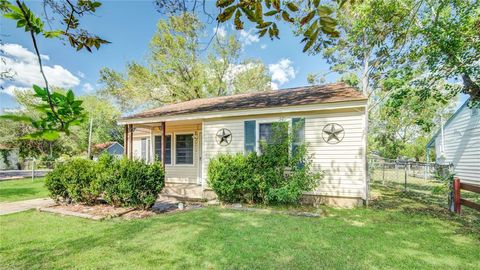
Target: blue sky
129, 25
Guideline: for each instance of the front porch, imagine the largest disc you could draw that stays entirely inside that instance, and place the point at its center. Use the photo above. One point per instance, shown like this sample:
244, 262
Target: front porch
178, 146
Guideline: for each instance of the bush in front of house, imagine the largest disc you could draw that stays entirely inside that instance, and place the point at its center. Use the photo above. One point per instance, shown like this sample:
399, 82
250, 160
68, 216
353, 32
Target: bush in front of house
74, 181
232, 177
120, 182
279, 174
132, 182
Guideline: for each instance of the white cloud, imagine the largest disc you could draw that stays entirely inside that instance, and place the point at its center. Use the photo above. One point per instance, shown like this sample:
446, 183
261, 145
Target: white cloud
247, 38
274, 86
81, 74
221, 32
87, 87
20, 53
27, 72
282, 72
263, 46
11, 89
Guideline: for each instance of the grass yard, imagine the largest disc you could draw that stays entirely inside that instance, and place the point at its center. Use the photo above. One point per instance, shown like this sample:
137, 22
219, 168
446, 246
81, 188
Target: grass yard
22, 189
396, 232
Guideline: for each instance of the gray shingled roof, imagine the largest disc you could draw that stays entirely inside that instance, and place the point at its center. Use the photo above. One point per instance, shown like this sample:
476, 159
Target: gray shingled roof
315, 94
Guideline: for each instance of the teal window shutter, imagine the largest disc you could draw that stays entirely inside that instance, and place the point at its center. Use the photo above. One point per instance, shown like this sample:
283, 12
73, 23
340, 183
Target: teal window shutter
298, 128
249, 135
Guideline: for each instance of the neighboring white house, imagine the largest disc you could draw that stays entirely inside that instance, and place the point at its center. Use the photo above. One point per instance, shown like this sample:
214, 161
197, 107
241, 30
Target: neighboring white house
458, 143
193, 132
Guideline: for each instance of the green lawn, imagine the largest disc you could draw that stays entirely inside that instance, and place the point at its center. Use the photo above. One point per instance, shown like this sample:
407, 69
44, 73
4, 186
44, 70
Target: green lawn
396, 232
23, 189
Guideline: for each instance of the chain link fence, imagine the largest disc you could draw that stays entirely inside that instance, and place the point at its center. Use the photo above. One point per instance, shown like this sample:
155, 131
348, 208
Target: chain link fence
30, 168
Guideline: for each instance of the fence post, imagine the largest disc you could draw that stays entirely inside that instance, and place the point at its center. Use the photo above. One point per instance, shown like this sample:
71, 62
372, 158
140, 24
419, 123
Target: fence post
33, 169
456, 195
383, 174
405, 177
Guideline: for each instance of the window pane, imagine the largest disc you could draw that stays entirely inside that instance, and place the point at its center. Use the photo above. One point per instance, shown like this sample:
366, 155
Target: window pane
158, 149
265, 132
144, 149
184, 149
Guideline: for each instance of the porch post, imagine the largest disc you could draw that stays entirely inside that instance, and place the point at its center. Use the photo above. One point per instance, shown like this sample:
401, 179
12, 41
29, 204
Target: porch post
130, 147
125, 140
164, 144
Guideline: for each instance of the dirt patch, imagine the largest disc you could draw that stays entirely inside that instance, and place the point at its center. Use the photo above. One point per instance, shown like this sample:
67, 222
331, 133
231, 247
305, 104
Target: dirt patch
105, 211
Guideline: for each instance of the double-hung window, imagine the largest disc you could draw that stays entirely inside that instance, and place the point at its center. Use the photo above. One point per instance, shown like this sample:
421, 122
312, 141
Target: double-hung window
272, 133
168, 149
184, 149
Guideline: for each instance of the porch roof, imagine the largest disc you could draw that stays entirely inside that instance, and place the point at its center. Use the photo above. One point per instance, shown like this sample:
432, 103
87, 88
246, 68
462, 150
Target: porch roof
307, 95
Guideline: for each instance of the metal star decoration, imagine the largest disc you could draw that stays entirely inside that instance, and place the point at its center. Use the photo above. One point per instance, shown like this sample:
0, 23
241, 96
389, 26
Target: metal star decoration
224, 137
333, 133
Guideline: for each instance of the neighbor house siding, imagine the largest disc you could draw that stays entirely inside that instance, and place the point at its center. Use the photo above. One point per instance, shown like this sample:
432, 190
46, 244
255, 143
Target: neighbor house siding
462, 145
184, 173
343, 163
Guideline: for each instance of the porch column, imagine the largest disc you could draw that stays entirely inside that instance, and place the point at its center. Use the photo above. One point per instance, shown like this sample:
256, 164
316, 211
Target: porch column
130, 147
164, 144
125, 141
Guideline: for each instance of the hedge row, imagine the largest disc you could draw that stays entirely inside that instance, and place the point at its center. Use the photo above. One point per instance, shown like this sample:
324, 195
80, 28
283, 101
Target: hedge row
120, 182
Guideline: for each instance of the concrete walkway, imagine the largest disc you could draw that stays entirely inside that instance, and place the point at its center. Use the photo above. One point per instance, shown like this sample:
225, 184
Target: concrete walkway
19, 206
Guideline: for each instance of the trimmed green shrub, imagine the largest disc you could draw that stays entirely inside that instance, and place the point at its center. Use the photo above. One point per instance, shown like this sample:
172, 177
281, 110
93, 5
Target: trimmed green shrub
74, 181
120, 182
232, 177
133, 183
280, 174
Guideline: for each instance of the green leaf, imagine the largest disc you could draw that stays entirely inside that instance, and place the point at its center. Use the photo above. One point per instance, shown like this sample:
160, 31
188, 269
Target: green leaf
286, 17
324, 11
40, 92
226, 14
70, 96
53, 34
270, 13
292, 7
224, 3
307, 18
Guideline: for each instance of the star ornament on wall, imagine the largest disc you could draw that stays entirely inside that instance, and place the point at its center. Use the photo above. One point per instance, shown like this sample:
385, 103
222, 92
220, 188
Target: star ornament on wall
224, 137
333, 133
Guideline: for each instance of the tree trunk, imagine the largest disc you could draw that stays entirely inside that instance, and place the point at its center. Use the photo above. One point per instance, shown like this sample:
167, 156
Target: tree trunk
470, 87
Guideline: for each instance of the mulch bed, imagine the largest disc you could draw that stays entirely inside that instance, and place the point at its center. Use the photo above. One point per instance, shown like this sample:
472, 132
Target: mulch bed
105, 211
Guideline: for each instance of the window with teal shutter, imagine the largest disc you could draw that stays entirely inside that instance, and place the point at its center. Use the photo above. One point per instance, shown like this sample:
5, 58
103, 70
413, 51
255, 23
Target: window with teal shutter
249, 136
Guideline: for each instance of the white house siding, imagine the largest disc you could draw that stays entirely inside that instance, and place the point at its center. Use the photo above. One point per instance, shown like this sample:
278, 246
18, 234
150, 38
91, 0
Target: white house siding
173, 173
343, 163
462, 145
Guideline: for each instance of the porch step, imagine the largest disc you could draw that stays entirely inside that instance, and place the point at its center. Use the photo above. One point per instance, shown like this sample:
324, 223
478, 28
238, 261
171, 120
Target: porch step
182, 192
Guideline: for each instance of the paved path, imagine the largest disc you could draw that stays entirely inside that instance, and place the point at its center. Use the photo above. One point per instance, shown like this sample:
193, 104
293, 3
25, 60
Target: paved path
19, 206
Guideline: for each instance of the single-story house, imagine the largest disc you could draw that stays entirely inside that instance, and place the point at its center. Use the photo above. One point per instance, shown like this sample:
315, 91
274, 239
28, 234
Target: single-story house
189, 134
112, 148
457, 142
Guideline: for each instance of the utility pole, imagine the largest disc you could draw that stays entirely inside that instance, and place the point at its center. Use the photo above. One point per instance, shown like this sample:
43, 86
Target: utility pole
90, 139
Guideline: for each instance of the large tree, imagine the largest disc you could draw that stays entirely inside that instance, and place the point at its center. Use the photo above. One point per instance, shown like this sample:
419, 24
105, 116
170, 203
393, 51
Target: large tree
178, 68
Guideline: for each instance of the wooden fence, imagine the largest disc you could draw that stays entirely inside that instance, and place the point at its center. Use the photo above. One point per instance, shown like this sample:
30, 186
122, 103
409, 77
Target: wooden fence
458, 201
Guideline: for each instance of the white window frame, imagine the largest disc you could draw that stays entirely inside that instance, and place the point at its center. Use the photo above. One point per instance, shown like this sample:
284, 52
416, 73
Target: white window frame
269, 121
171, 146
174, 141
